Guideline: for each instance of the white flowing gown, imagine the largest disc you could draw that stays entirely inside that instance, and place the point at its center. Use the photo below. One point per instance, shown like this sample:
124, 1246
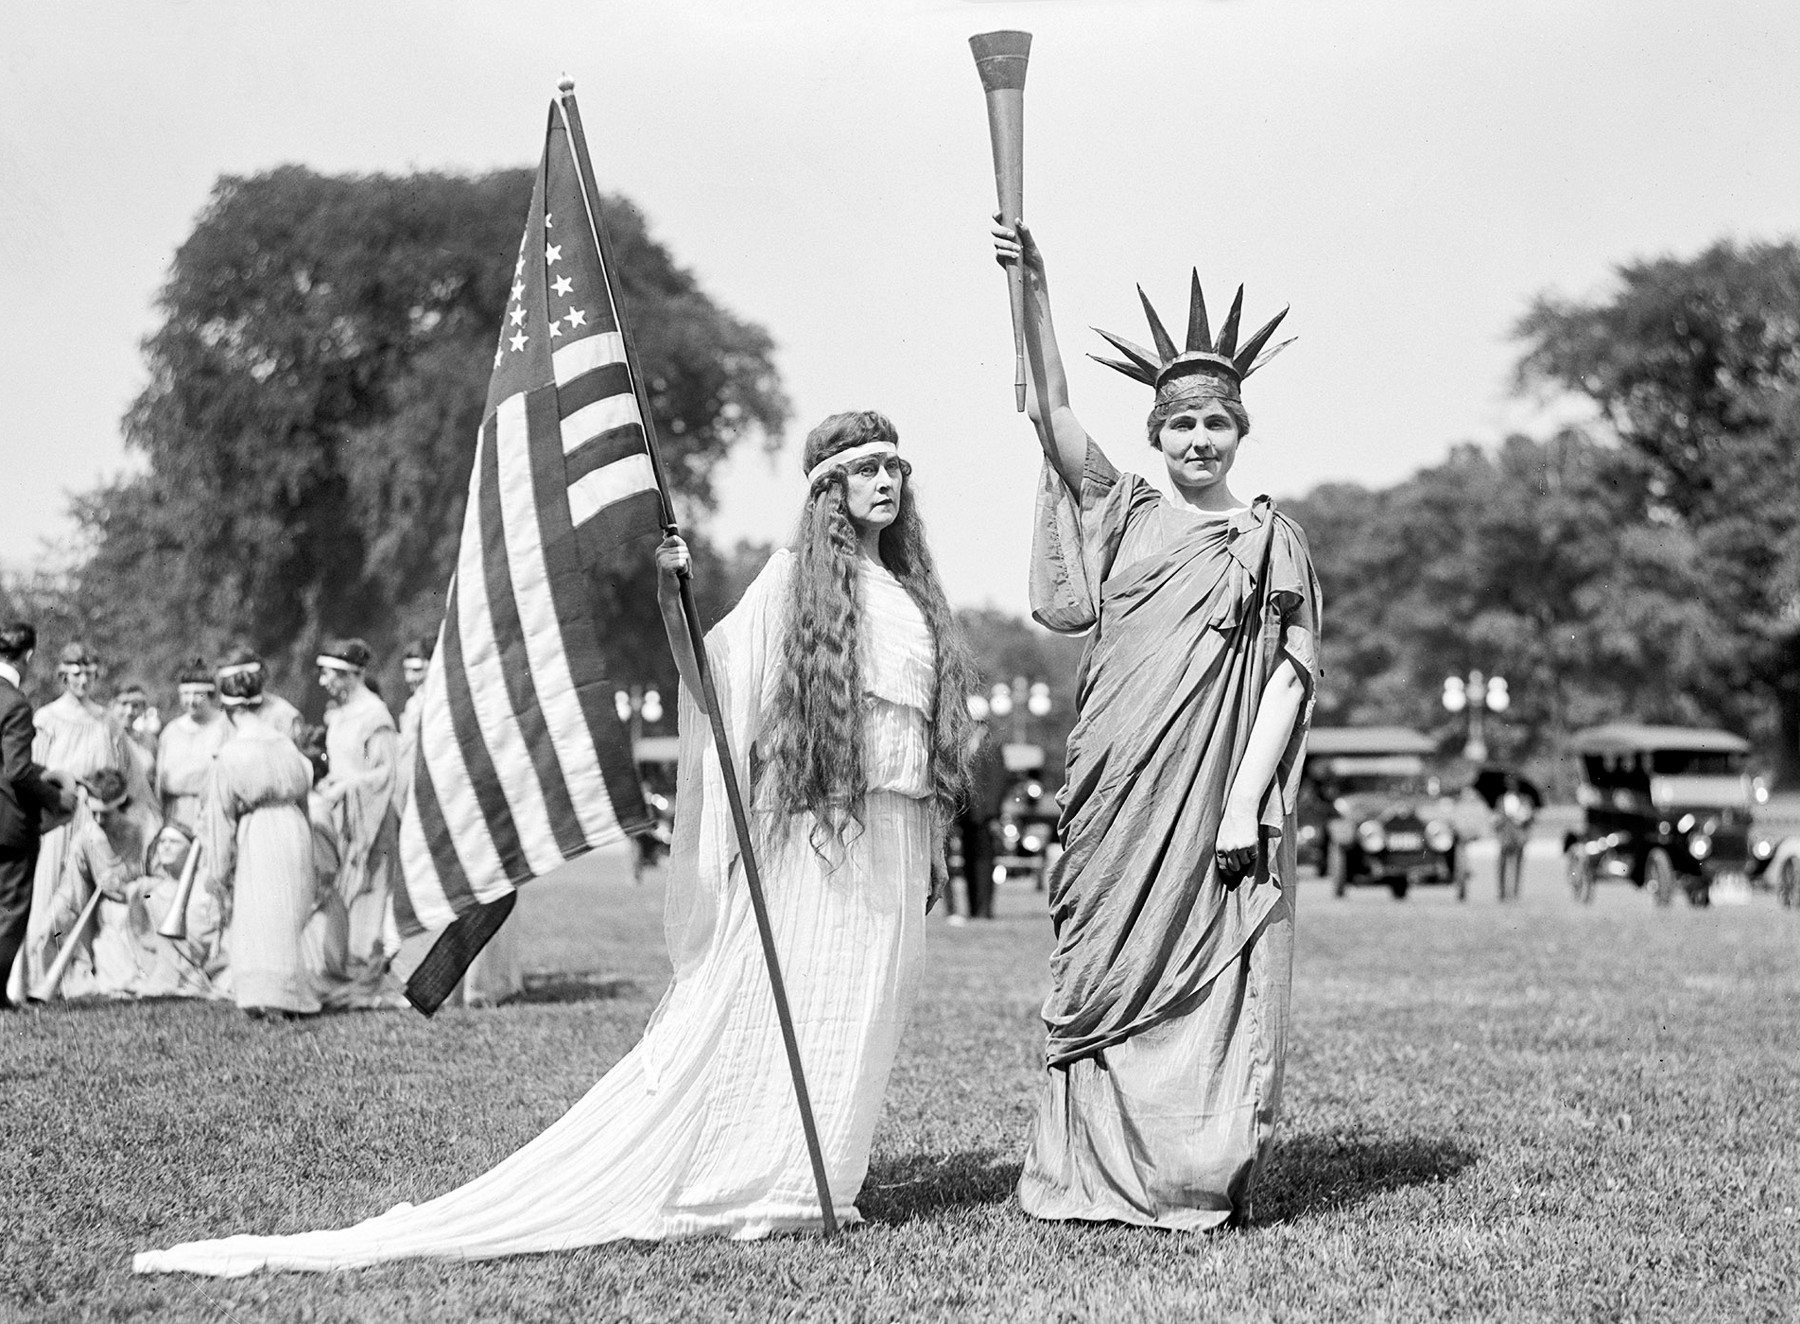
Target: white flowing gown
695, 1131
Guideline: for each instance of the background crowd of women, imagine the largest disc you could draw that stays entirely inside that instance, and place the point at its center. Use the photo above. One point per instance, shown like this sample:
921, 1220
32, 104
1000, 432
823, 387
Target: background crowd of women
295, 828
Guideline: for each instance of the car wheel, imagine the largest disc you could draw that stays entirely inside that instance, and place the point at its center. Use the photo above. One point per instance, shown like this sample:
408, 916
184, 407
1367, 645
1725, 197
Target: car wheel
1789, 890
1659, 876
1340, 871
1399, 886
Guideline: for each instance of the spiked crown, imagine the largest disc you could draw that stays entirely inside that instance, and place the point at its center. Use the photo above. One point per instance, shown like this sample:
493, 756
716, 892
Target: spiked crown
1206, 367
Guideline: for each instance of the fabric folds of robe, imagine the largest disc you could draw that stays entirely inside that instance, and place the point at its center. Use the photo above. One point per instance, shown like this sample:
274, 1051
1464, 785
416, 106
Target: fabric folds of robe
258, 843
695, 1131
1162, 1085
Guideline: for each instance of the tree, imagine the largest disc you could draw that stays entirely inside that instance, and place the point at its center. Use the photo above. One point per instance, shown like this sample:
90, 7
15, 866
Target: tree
1694, 368
315, 391
1530, 561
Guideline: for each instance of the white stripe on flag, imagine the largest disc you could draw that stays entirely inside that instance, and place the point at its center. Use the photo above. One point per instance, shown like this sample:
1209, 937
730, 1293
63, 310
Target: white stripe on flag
588, 422
586, 354
543, 632
457, 805
593, 492
494, 714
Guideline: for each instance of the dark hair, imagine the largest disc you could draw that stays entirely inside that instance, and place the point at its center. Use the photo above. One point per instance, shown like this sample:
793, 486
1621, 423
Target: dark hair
353, 651
1162, 412
17, 638
196, 672
242, 689
131, 687
419, 650
242, 655
815, 754
105, 785
76, 653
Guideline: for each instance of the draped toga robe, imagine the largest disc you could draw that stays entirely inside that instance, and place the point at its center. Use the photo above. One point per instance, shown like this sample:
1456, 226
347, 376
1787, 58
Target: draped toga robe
1167, 1017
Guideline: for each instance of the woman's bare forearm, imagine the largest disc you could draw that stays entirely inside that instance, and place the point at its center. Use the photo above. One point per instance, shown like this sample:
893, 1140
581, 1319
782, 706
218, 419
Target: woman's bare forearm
1276, 713
681, 644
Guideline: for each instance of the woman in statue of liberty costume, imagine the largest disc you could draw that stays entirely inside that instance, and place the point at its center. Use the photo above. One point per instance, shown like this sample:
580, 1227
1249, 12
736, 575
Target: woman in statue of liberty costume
1173, 901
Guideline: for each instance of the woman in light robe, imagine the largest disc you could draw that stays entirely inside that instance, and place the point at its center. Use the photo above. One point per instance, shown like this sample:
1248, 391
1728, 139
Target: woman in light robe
130, 712
76, 737
257, 847
362, 752
842, 683
1173, 901
107, 844
184, 751
191, 961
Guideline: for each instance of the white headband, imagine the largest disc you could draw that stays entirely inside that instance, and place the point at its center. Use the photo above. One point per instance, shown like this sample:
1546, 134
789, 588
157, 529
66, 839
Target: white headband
336, 663
846, 458
239, 669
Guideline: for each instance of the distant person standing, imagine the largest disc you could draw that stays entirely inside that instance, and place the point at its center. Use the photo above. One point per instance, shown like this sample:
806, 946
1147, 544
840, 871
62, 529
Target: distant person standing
362, 751
1514, 813
975, 823
28, 795
415, 664
276, 712
184, 751
76, 737
257, 847
137, 722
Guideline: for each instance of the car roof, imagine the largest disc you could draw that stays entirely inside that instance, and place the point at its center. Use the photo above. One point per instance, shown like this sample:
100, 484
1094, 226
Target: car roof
1329, 740
1633, 737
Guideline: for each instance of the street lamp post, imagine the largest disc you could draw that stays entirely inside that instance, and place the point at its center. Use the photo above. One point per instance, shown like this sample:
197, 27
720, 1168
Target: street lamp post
1477, 695
1015, 700
637, 706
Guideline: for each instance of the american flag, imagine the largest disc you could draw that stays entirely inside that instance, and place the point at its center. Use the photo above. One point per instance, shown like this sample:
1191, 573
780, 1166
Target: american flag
523, 762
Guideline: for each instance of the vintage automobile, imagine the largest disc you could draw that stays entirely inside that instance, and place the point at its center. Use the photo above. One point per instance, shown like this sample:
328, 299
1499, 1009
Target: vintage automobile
1025, 842
1667, 807
1370, 811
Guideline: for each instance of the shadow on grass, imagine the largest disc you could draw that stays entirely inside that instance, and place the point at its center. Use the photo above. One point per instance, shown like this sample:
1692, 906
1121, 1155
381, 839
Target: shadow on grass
576, 986
899, 1190
1315, 1174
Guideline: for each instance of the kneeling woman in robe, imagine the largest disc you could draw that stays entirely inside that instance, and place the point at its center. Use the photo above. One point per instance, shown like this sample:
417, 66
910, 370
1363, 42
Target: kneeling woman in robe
1173, 901
842, 683
257, 847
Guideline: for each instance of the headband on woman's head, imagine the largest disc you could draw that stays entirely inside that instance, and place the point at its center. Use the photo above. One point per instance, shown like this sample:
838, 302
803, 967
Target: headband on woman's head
845, 458
240, 669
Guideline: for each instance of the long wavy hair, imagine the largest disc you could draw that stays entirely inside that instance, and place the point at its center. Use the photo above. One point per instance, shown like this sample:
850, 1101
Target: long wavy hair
814, 760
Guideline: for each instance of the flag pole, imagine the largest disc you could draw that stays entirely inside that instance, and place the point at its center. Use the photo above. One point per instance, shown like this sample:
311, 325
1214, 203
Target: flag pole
691, 614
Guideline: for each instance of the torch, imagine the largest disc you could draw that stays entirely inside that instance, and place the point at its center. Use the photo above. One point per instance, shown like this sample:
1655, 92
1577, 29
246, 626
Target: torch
1000, 59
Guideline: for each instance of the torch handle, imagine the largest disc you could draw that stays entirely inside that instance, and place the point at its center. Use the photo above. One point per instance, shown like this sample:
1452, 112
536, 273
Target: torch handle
1001, 59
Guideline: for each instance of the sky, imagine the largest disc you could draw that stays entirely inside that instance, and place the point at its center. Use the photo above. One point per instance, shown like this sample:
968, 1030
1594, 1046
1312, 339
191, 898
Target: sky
1407, 174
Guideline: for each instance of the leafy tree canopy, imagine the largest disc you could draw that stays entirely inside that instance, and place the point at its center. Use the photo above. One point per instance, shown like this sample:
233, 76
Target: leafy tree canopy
315, 391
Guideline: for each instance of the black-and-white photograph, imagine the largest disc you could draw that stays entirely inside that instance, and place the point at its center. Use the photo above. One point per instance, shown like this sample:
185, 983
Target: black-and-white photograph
604, 717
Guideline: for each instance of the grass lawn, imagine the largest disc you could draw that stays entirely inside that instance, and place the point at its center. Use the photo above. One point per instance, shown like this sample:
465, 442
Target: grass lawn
1537, 1112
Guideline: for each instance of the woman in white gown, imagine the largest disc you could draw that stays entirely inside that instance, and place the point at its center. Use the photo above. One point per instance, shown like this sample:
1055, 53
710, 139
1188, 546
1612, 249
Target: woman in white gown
842, 683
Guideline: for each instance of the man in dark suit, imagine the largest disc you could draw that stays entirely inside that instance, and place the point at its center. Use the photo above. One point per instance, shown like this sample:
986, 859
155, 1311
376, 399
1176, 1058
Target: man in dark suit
28, 796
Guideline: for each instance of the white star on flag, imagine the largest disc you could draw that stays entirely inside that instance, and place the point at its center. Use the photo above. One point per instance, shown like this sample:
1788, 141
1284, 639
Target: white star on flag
553, 252
518, 341
562, 285
577, 317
